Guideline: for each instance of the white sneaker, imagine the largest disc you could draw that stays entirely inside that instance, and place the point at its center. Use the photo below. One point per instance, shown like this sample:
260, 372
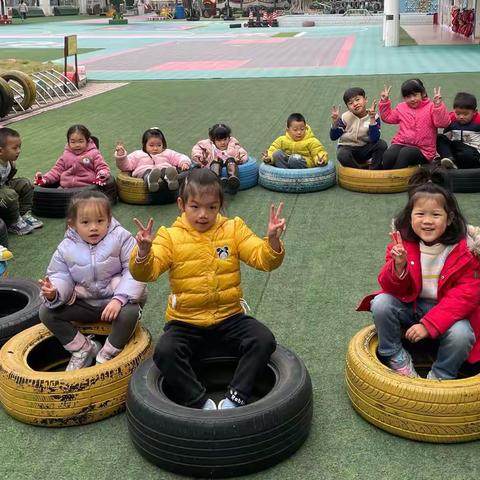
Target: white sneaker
432, 376
209, 405
448, 163
84, 357
226, 403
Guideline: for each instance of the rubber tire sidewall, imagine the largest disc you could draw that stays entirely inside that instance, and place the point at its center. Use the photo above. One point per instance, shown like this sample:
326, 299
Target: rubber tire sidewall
12, 324
297, 180
53, 202
202, 443
464, 180
427, 410
3, 234
60, 399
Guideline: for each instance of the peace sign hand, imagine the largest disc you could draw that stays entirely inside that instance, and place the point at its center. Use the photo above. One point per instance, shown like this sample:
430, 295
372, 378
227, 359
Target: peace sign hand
385, 93
47, 288
398, 253
335, 115
120, 150
372, 111
144, 237
437, 96
276, 226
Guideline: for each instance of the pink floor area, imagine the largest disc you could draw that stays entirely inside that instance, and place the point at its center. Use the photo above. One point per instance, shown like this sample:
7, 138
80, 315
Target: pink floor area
435, 35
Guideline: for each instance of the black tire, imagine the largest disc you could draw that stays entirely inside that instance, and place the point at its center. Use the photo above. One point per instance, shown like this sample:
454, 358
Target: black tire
3, 234
220, 444
19, 304
52, 201
465, 180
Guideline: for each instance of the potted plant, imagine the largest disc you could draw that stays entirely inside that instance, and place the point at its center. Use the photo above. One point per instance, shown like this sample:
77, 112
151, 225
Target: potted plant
117, 19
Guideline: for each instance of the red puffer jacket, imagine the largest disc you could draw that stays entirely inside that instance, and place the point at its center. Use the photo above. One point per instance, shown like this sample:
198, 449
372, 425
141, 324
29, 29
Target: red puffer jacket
458, 287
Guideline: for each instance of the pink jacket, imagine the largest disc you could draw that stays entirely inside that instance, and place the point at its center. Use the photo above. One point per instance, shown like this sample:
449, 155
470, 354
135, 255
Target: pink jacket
418, 126
458, 288
73, 170
138, 162
204, 152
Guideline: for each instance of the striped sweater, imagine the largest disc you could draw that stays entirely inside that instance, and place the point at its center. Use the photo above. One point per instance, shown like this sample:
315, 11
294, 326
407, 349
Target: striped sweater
468, 133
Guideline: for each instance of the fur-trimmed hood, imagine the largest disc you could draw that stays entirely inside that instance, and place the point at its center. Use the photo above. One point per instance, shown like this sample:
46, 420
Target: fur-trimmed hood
473, 239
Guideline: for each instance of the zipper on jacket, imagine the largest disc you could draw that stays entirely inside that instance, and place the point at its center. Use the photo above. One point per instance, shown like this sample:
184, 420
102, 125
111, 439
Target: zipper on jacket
93, 263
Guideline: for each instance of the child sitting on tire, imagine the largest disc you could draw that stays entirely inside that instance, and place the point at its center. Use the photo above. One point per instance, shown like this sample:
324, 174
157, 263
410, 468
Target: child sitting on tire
298, 148
88, 281
357, 132
81, 163
155, 163
430, 282
202, 251
16, 194
218, 151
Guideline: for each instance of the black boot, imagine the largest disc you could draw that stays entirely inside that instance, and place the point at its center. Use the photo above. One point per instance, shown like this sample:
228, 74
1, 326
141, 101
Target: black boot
232, 173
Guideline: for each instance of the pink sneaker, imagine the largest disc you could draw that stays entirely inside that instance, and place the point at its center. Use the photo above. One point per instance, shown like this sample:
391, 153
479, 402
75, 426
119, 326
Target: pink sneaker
402, 363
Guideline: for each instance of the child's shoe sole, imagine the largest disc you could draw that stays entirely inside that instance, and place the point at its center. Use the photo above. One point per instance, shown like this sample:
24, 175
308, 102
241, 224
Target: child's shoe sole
153, 180
171, 177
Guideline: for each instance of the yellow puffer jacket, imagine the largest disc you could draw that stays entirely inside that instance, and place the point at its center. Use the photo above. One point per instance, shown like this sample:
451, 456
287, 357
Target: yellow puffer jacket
204, 268
309, 147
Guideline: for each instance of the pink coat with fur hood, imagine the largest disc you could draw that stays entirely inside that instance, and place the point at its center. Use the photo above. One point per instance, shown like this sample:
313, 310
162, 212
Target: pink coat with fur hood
138, 162
73, 170
204, 152
418, 126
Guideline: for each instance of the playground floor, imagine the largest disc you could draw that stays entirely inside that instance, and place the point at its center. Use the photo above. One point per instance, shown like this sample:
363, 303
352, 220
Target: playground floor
335, 239
144, 50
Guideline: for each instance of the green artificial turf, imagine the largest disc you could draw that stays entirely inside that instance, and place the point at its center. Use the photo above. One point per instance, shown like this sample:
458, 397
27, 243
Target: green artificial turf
50, 19
334, 242
37, 54
405, 38
286, 34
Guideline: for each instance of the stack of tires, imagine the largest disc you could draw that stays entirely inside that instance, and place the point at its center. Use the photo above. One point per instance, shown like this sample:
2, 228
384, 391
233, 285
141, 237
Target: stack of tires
16, 89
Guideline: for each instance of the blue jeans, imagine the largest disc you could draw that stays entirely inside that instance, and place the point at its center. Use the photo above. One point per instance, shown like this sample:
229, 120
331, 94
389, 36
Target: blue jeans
391, 314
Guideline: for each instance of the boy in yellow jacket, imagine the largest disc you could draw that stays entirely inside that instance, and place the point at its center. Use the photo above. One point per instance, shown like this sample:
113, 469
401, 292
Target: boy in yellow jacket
202, 251
298, 148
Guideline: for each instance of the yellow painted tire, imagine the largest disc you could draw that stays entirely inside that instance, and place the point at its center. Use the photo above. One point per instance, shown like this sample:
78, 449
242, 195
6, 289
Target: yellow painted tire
434, 411
27, 84
133, 190
59, 398
375, 181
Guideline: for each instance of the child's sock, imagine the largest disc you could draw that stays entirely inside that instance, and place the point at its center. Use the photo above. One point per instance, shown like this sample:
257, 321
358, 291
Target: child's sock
107, 352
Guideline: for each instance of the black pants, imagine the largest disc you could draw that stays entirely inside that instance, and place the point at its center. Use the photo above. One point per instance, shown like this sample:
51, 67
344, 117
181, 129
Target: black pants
252, 340
463, 155
402, 156
58, 321
353, 156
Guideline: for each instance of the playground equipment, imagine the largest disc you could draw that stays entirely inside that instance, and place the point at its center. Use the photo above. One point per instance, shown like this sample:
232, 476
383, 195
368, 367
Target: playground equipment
20, 92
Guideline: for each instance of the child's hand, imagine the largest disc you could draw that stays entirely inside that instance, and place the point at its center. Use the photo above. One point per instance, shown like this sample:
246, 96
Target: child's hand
276, 226
372, 111
39, 180
398, 253
335, 115
266, 158
144, 237
111, 311
322, 159
185, 167
120, 150
101, 179
416, 333
48, 289
385, 93
437, 96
